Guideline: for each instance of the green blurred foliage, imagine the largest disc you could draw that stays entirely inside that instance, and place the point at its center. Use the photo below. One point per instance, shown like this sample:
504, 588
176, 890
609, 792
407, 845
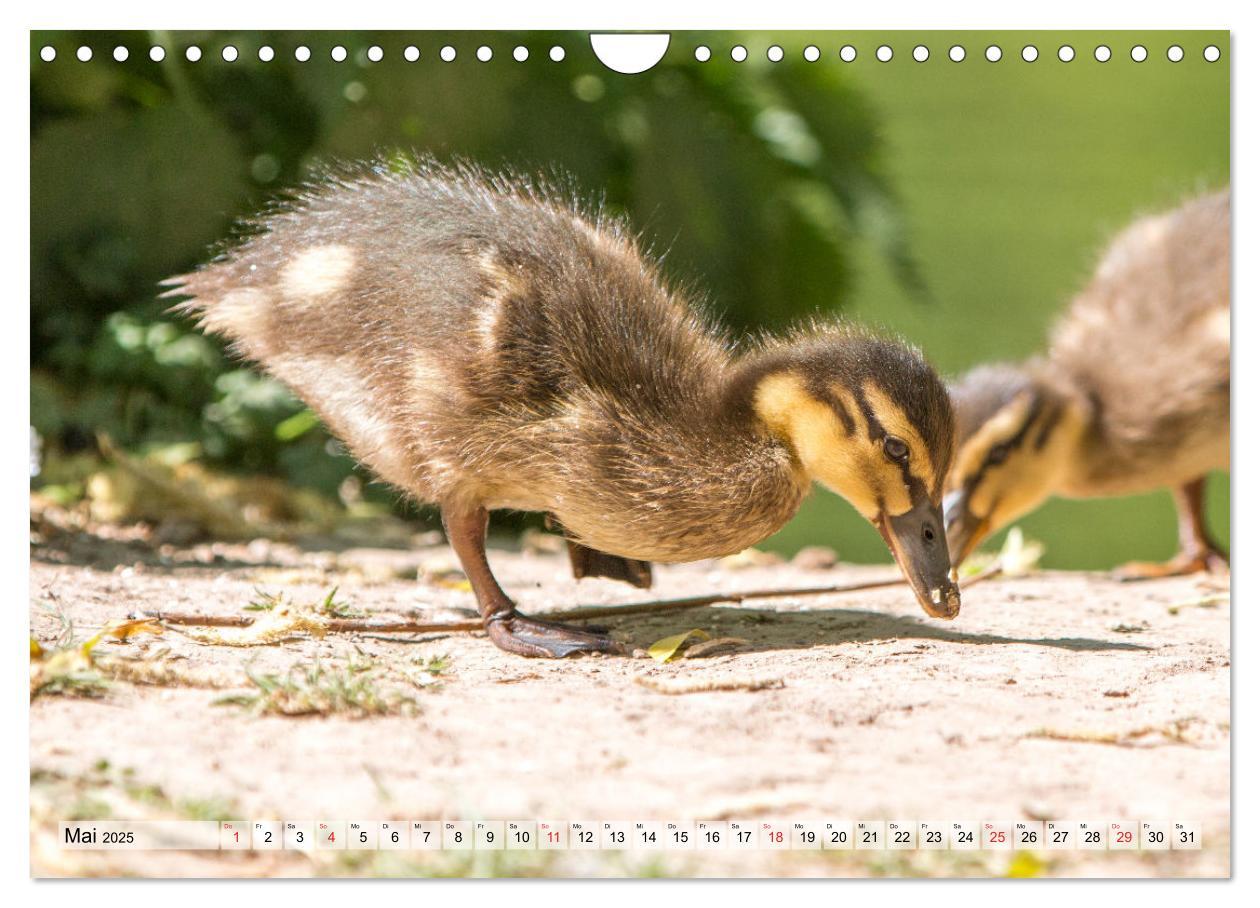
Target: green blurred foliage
770, 187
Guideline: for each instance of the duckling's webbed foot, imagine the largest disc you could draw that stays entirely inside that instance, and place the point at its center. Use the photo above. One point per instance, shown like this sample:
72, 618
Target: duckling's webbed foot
510, 630
515, 633
1181, 565
591, 563
1198, 554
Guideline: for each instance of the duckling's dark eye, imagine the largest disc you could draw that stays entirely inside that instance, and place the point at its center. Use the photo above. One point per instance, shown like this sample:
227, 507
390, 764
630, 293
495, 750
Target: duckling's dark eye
895, 448
998, 454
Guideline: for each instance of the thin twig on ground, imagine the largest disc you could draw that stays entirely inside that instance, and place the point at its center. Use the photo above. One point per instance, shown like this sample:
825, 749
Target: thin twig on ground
368, 625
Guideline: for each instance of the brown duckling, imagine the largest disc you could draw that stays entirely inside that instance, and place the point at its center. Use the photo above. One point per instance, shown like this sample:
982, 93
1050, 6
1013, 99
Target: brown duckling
481, 342
1131, 396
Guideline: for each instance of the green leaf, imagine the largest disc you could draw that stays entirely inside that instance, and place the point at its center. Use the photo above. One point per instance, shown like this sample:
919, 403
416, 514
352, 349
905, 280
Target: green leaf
296, 426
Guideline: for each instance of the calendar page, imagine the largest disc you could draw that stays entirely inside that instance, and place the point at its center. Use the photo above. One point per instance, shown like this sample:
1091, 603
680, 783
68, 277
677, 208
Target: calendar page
761, 454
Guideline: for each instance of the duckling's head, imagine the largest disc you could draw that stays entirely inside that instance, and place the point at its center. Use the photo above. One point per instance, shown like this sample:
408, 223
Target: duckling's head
1016, 434
868, 418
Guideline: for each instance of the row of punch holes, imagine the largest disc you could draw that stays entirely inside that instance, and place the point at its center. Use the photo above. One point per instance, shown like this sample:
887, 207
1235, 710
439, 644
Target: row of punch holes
775, 53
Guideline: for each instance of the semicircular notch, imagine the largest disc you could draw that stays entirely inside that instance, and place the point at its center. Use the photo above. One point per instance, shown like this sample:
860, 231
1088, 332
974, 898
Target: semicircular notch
630, 54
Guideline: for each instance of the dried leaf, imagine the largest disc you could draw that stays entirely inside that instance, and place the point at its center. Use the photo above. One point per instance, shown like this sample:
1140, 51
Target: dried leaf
68, 672
668, 648
123, 630
271, 627
462, 586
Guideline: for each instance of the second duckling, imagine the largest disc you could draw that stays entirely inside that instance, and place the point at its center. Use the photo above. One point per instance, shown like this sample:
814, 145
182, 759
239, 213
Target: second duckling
484, 343
1132, 395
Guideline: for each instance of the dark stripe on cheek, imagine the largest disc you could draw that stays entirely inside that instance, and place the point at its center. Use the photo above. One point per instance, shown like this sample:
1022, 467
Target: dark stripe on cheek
1043, 435
837, 406
874, 428
1033, 412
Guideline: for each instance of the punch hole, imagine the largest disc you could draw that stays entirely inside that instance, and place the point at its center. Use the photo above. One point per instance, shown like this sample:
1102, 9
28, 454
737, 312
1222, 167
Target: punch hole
556, 54
921, 53
1211, 53
774, 53
1029, 53
375, 53
84, 53
811, 53
338, 53
447, 53
48, 53
1176, 54
121, 54
703, 54
739, 53
302, 53
192, 53
958, 53
520, 53
848, 53
484, 54
1067, 53
883, 53
1102, 53
157, 54
628, 54
411, 53
993, 53
1138, 53
229, 54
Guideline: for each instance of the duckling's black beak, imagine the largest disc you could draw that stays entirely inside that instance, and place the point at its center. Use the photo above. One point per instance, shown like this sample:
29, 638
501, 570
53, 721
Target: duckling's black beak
963, 529
917, 540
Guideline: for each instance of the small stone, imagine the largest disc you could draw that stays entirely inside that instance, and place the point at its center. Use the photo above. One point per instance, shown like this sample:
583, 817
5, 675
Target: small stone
749, 558
815, 558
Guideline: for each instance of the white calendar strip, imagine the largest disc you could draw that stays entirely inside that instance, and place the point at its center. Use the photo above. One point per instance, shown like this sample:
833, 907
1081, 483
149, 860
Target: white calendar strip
632, 835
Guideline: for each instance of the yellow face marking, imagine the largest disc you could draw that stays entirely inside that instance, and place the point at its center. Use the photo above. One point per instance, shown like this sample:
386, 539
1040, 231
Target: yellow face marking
317, 272
1000, 428
1003, 492
850, 465
894, 421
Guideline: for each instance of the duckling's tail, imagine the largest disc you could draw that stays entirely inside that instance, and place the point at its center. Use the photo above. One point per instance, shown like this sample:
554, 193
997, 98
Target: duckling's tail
219, 305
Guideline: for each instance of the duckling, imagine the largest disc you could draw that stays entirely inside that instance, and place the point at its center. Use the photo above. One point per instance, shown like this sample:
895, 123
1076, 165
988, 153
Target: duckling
1132, 394
485, 342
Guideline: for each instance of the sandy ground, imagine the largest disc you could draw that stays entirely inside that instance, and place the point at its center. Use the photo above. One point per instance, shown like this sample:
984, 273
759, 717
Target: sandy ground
1054, 696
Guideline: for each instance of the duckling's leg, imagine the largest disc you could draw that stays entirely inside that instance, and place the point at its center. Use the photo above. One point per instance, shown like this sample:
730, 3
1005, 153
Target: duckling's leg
510, 630
591, 563
1197, 552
